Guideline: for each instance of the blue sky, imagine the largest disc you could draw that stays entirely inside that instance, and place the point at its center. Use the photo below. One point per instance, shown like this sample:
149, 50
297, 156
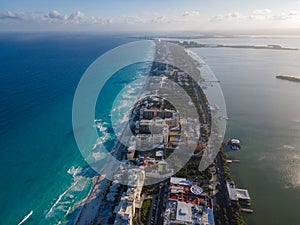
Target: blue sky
142, 15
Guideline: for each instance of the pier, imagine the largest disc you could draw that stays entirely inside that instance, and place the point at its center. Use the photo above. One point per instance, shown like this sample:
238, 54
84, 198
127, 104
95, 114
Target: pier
247, 210
233, 161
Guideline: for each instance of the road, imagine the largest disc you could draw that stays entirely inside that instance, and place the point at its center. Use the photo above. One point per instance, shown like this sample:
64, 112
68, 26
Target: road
222, 196
152, 209
160, 204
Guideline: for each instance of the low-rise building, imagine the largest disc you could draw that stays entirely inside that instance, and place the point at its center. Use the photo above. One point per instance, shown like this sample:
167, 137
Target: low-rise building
187, 204
130, 199
125, 211
236, 194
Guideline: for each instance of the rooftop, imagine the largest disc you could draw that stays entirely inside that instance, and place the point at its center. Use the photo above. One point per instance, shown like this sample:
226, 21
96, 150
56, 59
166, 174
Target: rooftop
187, 204
236, 194
242, 194
177, 180
231, 190
184, 212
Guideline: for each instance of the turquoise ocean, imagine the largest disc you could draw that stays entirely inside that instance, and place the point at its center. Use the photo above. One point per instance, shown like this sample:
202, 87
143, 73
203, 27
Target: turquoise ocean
43, 175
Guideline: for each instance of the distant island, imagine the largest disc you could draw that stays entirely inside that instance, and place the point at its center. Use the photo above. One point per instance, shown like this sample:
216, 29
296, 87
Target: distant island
193, 44
289, 78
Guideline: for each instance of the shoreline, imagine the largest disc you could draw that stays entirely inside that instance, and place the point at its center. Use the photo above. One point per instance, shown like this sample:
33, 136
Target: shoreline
117, 152
232, 209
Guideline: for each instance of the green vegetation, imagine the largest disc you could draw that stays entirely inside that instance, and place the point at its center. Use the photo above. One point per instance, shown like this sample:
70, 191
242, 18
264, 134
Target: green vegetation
192, 90
191, 170
134, 221
227, 174
145, 210
236, 215
150, 189
235, 209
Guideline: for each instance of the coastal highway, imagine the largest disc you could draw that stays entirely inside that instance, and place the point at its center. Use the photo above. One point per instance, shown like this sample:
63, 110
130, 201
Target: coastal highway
151, 216
160, 204
222, 196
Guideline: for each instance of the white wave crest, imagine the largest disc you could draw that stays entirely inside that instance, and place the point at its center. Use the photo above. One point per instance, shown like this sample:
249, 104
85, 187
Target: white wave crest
26, 217
101, 125
289, 147
66, 199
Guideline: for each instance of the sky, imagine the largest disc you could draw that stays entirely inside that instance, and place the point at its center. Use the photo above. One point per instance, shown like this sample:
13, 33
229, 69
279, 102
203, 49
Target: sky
148, 15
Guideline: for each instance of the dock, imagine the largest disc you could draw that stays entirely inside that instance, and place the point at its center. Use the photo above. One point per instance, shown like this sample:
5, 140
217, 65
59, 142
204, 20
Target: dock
247, 210
233, 161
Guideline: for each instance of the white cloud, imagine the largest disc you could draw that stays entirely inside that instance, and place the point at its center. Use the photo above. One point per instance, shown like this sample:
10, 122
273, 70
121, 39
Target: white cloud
262, 12
54, 14
12, 15
294, 13
101, 21
77, 16
132, 20
233, 15
189, 20
15, 17
268, 14
53, 17
258, 15
258, 19
228, 16
191, 13
160, 19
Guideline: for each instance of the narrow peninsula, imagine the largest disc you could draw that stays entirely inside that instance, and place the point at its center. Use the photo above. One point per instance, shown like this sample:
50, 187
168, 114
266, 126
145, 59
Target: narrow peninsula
289, 78
193, 44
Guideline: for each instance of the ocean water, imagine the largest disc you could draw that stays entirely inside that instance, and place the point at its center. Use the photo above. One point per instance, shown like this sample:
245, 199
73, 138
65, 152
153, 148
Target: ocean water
114, 104
264, 113
42, 169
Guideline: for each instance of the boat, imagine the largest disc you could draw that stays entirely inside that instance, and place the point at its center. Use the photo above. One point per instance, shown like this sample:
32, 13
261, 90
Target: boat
234, 144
